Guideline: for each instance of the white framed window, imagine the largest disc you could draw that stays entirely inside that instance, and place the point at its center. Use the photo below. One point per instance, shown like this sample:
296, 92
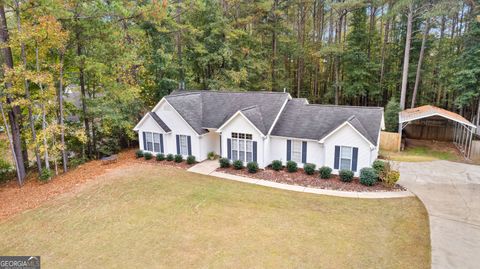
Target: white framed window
242, 147
183, 141
297, 151
152, 142
149, 141
156, 142
249, 150
346, 156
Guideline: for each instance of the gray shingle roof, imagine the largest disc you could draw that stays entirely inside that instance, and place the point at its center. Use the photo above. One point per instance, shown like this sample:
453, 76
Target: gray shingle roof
210, 109
300, 120
254, 115
160, 122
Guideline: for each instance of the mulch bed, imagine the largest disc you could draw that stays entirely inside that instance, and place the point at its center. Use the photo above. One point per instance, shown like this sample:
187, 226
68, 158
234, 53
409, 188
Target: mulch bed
301, 179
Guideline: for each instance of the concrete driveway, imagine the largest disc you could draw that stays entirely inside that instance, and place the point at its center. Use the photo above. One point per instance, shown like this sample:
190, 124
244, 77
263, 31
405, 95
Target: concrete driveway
451, 194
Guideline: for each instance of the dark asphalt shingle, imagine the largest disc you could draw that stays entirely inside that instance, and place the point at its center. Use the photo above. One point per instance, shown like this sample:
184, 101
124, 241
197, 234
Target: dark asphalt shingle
160, 122
302, 120
210, 109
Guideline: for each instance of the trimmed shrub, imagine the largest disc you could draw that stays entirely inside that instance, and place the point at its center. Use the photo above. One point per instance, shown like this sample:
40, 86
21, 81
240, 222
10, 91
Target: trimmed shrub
325, 172
391, 178
345, 175
292, 166
277, 165
191, 159
139, 153
379, 166
178, 158
309, 168
252, 167
147, 155
170, 157
368, 176
237, 164
160, 157
45, 175
224, 162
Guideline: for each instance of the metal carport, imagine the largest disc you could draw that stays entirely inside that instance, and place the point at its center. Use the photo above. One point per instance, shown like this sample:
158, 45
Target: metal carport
463, 129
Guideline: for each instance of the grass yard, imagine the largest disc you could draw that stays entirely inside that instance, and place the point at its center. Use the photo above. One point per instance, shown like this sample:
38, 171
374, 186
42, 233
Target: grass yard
419, 154
425, 151
153, 217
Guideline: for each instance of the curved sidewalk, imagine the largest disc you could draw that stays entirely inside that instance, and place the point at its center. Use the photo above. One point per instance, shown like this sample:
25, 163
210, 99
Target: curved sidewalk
209, 167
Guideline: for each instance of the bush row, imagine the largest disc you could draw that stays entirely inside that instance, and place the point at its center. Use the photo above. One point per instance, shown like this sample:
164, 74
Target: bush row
309, 168
368, 176
168, 157
252, 167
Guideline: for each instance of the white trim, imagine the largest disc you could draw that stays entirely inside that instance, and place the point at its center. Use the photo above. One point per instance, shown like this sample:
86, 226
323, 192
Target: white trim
340, 157
139, 124
435, 114
245, 140
158, 104
294, 138
181, 116
219, 130
136, 128
342, 125
301, 150
278, 115
165, 100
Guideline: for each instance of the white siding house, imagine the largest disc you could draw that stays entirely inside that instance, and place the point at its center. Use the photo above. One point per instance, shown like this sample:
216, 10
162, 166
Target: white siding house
240, 135
347, 139
262, 127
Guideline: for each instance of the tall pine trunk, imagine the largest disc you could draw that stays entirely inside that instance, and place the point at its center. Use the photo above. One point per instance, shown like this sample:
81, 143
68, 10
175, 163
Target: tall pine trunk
181, 85
338, 37
60, 106
420, 61
44, 116
14, 113
274, 46
10, 142
406, 57
382, 64
81, 78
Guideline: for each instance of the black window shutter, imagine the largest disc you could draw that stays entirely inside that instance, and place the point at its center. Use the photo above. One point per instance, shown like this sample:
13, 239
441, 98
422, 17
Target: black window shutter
336, 162
144, 141
254, 151
289, 150
220, 145
229, 148
178, 144
354, 159
189, 143
304, 152
161, 143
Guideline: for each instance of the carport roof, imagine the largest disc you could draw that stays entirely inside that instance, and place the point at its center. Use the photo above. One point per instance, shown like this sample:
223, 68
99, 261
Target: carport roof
426, 111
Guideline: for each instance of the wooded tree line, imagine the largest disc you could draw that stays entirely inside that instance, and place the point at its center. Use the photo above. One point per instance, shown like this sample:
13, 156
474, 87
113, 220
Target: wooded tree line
114, 59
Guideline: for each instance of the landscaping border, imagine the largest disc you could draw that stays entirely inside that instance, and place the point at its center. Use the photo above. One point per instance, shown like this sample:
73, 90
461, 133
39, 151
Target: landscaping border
210, 167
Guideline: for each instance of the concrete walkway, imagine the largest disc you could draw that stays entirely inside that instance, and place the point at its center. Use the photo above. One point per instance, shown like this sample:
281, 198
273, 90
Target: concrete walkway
209, 167
451, 194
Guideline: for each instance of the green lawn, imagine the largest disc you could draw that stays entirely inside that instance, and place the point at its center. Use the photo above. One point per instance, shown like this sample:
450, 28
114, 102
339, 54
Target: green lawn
153, 217
419, 154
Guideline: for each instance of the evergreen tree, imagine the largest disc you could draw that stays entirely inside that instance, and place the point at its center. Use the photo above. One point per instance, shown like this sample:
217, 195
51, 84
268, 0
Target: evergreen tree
391, 115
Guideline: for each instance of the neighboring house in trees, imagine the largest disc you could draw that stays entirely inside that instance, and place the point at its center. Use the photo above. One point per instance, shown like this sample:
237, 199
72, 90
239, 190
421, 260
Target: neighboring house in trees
262, 127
